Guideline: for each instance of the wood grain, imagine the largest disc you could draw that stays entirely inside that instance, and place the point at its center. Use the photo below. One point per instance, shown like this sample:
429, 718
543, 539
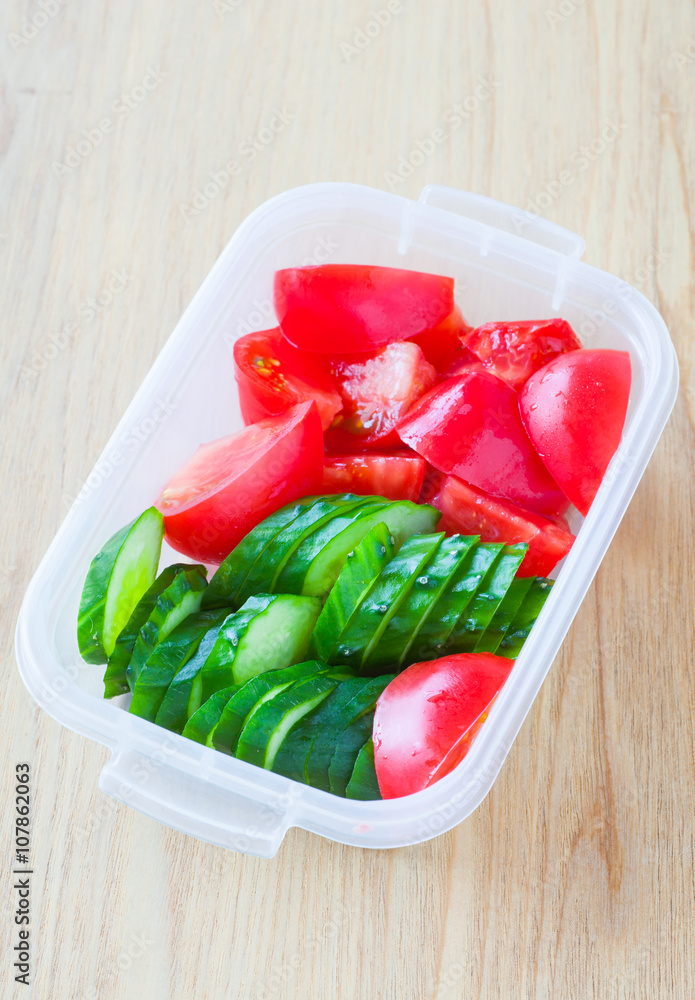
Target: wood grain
575, 878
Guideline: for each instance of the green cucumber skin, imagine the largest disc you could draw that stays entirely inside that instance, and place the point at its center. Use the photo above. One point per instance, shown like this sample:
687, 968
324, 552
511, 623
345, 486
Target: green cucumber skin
175, 710
504, 616
367, 626
352, 702
525, 618
401, 633
472, 624
252, 745
363, 783
403, 519
231, 574
187, 586
237, 710
91, 616
357, 577
202, 722
264, 575
218, 669
346, 752
115, 680
167, 659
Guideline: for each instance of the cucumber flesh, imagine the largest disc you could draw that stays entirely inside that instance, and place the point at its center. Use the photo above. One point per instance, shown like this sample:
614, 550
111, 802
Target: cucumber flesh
269, 632
362, 567
363, 783
115, 680
117, 578
201, 723
471, 626
402, 518
347, 749
504, 616
525, 618
179, 600
252, 695
167, 659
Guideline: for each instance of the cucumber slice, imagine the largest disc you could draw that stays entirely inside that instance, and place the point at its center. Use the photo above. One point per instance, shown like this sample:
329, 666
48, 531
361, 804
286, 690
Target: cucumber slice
269, 632
232, 572
184, 696
363, 783
167, 658
262, 736
117, 578
351, 701
252, 695
402, 518
364, 631
115, 680
180, 599
525, 618
504, 616
472, 624
264, 574
399, 643
201, 724
346, 752
357, 577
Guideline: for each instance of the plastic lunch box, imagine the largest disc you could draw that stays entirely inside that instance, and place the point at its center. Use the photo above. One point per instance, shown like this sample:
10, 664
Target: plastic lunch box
508, 264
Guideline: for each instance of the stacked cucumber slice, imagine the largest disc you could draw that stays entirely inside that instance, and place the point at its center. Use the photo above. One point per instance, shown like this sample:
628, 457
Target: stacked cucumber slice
280, 658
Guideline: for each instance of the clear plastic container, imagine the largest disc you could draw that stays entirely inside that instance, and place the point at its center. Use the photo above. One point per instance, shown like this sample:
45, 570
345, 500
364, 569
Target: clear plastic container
507, 265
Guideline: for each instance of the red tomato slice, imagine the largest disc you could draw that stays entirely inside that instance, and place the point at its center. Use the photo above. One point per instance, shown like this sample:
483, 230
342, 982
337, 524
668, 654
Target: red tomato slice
514, 351
346, 308
574, 411
397, 475
377, 389
468, 511
427, 716
272, 376
442, 345
470, 427
231, 484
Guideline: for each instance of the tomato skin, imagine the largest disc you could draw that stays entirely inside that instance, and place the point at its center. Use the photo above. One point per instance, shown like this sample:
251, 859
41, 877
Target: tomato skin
443, 345
468, 511
395, 475
352, 308
514, 351
574, 411
469, 426
230, 485
376, 390
272, 376
427, 716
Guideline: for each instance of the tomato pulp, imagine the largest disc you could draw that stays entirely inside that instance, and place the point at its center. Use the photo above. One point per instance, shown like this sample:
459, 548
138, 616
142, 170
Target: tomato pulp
395, 475
514, 351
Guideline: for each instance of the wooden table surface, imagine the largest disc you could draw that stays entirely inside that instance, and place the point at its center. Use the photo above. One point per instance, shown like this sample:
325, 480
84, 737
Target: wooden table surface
575, 877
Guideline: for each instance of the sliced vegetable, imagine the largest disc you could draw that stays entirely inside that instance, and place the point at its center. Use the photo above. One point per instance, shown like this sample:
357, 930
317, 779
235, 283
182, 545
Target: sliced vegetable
525, 618
504, 615
341, 308
201, 724
363, 783
117, 578
230, 485
574, 411
348, 746
442, 344
394, 475
425, 719
471, 626
514, 351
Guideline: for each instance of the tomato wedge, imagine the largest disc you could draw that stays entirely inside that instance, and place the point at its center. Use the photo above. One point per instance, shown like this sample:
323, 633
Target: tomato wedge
396, 475
574, 411
470, 426
231, 484
468, 511
272, 376
426, 718
349, 308
377, 389
442, 344
514, 351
